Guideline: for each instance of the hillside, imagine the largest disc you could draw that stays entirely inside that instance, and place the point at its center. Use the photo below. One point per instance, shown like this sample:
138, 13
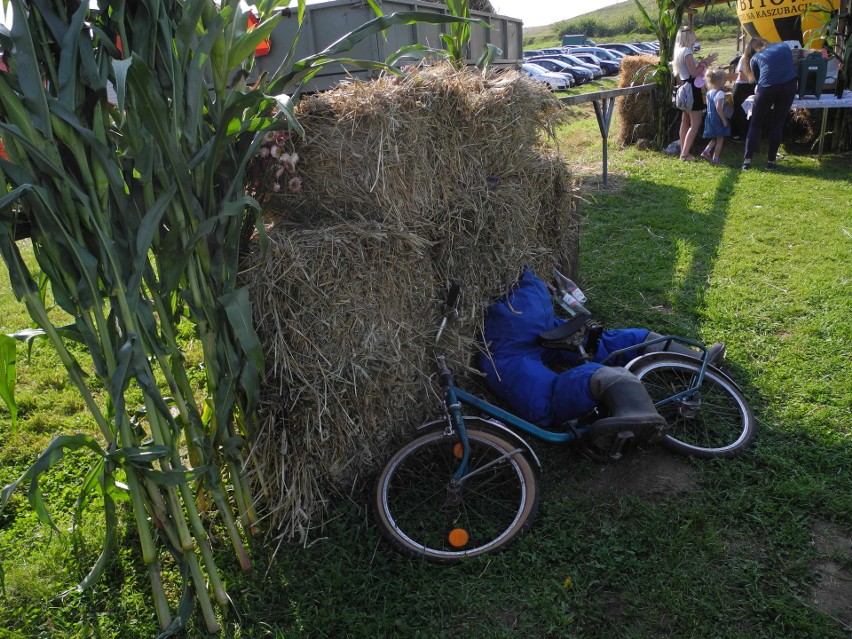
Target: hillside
609, 16
623, 22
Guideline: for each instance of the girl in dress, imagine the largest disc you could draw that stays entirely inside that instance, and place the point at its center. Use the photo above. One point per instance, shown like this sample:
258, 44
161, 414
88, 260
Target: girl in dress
717, 124
687, 69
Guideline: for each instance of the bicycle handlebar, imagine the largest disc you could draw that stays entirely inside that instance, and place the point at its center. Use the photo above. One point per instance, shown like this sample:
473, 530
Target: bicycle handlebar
451, 312
444, 371
453, 295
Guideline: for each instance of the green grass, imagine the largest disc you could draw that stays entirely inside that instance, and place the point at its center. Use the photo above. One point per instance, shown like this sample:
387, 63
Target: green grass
760, 260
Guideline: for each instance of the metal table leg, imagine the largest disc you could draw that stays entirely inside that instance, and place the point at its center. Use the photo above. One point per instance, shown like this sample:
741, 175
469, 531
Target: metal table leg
822, 133
603, 112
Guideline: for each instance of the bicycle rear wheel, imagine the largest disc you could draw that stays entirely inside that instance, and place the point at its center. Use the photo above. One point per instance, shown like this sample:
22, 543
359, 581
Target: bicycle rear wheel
422, 514
714, 422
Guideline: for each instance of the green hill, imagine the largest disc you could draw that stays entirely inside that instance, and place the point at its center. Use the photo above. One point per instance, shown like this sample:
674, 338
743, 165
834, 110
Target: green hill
622, 21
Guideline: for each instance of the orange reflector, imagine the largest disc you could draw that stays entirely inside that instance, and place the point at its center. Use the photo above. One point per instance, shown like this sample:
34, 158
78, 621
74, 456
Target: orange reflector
458, 450
265, 46
458, 538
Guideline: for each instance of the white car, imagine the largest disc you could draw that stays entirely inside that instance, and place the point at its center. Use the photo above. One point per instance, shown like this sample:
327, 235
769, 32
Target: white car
556, 81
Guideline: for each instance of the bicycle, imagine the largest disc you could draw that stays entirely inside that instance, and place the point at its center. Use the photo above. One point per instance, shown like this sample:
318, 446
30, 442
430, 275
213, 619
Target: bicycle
469, 485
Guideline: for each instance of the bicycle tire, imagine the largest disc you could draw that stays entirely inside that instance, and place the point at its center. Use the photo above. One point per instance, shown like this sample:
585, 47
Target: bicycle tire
416, 511
717, 422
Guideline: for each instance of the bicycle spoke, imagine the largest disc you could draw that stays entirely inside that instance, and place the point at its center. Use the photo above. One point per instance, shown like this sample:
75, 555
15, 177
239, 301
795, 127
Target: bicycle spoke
423, 513
714, 420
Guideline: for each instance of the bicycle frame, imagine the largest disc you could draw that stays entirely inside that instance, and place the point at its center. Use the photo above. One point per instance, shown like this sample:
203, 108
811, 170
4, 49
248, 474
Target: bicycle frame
696, 382
455, 397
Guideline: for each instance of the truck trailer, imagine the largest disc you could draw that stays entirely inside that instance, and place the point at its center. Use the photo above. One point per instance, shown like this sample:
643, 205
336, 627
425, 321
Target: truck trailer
326, 22
577, 38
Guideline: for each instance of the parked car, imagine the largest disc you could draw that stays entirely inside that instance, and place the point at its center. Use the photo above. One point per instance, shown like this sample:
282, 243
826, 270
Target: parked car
573, 60
618, 55
555, 63
556, 81
607, 66
626, 49
646, 46
603, 54
581, 75
532, 52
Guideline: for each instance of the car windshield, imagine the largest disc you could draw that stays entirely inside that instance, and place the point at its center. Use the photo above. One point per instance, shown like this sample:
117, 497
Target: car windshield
603, 54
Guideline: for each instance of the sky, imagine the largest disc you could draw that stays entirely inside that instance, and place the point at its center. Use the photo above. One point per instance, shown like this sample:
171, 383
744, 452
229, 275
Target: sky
533, 13
537, 13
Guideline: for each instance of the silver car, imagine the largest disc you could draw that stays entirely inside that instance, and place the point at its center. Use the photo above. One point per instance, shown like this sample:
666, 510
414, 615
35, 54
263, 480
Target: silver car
556, 81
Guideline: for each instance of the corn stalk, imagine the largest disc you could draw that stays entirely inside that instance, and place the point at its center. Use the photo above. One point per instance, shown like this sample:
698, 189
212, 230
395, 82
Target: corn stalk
138, 216
664, 26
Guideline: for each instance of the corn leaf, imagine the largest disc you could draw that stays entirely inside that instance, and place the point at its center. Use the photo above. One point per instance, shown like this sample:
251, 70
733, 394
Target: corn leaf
245, 45
27, 66
491, 53
8, 358
51, 456
238, 307
96, 477
414, 52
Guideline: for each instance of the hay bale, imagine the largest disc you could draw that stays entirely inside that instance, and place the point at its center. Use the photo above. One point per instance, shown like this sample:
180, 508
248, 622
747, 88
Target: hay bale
405, 183
636, 114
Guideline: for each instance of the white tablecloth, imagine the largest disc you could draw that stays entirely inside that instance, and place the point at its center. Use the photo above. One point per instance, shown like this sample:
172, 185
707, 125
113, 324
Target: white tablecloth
825, 101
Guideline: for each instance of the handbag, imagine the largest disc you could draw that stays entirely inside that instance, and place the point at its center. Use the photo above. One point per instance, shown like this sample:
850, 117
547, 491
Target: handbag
683, 96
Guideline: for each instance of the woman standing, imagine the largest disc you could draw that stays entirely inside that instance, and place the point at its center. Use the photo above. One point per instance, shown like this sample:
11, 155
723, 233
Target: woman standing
777, 82
744, 87
687, 69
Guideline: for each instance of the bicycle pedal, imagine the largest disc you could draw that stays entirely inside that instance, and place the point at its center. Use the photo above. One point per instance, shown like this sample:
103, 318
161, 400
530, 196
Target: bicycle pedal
616, 452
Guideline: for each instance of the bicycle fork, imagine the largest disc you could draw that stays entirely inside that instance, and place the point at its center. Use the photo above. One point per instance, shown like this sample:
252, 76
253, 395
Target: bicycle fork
456, 424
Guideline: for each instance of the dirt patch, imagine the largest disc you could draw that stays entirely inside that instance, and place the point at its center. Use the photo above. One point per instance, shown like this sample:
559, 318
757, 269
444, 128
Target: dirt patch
833, 592
646, 473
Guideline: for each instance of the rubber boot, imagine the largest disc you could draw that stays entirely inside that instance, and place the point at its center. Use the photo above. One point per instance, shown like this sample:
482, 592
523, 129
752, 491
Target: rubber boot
626, 406
715, 352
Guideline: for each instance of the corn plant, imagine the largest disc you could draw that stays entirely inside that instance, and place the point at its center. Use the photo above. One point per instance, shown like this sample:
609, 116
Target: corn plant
664, 26
129, 127
456, 42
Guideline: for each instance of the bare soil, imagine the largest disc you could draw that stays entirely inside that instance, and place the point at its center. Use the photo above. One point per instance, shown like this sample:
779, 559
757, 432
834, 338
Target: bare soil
833, 592
651, 474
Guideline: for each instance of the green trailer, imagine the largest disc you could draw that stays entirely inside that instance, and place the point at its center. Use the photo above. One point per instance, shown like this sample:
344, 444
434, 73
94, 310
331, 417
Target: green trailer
325, 22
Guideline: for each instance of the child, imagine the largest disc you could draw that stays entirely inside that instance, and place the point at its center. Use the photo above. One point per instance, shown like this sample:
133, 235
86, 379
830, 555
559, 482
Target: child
717, 124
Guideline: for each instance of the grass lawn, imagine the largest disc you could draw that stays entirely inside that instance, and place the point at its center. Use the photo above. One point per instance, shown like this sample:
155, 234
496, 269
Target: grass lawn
655, 546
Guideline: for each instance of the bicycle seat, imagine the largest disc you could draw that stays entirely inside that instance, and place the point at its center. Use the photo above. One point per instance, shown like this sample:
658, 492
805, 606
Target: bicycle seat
579, 330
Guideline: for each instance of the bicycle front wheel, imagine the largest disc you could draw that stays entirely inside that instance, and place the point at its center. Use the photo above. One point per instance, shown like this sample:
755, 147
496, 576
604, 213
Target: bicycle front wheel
422, 513
716, 421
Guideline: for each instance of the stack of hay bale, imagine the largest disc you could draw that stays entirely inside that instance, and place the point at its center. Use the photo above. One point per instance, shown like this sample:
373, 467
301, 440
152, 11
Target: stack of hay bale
637, 115
405, 182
